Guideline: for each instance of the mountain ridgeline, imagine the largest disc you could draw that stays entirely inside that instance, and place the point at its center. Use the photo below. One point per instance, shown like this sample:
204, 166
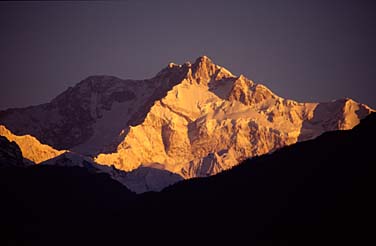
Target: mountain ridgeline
304, 194
190, 120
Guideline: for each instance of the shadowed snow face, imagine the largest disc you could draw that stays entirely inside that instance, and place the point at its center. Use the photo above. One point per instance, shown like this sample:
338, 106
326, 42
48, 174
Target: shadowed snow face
190, 120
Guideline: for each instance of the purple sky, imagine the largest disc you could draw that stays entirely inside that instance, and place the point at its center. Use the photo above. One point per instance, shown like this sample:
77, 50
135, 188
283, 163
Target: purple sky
303, 50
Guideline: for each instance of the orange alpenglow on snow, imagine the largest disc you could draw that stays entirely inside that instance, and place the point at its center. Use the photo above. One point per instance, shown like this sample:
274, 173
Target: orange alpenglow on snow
211, 120
31, 148
190, 120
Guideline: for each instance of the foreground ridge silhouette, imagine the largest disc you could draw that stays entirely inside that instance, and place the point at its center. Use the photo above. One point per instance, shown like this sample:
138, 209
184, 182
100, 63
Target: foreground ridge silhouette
308, 193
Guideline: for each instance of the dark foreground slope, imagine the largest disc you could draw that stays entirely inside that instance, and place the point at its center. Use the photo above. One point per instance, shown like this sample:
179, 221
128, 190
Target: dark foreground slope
47, 204
314, 192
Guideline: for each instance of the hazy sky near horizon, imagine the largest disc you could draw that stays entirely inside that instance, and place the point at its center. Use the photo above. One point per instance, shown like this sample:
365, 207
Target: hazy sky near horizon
303, 50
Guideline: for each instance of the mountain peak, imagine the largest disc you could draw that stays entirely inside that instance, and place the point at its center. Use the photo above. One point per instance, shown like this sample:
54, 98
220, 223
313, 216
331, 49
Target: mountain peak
194, 119
204, 69
203, 59
203, 62
171, 65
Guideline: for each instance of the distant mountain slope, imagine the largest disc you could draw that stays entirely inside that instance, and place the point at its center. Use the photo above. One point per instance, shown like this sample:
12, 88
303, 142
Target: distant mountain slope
27, 150
90, 116
193, 120
308, 193
31, 148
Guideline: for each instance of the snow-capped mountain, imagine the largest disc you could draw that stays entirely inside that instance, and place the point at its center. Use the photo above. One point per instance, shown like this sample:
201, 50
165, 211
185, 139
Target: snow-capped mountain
191, 120
211, 120
94, 115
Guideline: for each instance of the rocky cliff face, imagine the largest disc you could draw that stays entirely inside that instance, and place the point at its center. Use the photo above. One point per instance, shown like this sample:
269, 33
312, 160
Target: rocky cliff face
192, 120
212, 120
93, 116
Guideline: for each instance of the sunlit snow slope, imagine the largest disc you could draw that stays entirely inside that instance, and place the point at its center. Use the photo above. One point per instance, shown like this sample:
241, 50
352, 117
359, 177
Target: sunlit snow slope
192, 120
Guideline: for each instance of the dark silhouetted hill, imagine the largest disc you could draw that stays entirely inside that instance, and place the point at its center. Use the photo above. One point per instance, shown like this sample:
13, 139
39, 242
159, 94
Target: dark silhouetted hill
40, 203
311, 193
10, 154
